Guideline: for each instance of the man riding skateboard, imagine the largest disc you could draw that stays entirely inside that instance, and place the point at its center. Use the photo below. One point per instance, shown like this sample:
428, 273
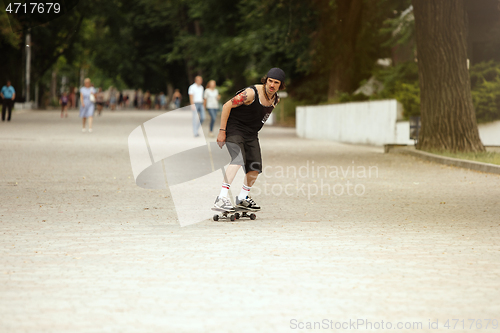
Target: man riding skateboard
242, 118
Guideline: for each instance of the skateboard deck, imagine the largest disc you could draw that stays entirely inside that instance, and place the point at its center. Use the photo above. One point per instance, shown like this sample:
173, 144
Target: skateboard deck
233, 215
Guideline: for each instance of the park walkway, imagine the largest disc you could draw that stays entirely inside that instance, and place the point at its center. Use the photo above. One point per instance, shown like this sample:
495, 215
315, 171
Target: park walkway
83, 249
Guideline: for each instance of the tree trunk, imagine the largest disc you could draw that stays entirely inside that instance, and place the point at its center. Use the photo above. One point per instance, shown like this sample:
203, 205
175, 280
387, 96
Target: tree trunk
53, 86
447, 114
348, 25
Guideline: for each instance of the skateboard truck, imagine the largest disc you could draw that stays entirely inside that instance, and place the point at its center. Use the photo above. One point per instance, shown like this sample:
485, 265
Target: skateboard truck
251, 216
225, 215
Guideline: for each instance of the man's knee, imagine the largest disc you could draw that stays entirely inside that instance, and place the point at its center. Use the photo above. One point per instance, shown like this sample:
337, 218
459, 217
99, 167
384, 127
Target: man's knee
254, 167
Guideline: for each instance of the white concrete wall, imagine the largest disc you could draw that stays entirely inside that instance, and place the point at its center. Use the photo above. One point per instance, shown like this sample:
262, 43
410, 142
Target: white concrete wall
373, 122
490, 133
403, 133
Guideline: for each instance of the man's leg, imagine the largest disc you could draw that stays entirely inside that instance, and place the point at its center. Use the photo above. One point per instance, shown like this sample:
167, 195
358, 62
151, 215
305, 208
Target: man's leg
236, 150
229, 175
234, 146
196, 122
10, 105
213, 115
4, 107
248, 182
253, 166
250, 178
222, 201
201, 112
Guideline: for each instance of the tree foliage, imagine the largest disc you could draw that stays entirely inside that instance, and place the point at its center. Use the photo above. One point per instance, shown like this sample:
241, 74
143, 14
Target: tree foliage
151, 43
485, 81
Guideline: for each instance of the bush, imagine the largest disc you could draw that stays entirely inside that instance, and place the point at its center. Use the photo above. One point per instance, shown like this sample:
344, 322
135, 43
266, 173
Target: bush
408, 94
345, 98
401, 83
485, 83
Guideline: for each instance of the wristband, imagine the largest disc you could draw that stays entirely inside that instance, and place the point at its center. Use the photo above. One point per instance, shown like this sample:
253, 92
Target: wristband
220, 129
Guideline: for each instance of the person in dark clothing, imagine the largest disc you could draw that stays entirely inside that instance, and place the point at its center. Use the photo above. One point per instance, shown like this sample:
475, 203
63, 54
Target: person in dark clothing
63, 101
8, 95
242, 118
120, 99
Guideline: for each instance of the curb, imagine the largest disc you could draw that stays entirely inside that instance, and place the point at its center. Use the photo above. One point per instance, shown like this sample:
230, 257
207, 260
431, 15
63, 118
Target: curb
472, 165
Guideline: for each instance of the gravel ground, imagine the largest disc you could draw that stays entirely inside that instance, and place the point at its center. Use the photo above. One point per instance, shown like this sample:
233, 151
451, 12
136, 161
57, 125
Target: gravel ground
83, 249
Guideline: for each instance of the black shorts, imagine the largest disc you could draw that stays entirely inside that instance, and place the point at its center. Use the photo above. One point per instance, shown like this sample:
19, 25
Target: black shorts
250, 157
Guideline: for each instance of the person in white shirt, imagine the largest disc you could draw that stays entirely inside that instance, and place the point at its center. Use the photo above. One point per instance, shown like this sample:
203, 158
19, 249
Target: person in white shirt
211, 103
196, 100
87, 100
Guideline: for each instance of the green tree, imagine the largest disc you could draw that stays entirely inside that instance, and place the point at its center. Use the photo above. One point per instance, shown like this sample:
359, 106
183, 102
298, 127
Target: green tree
10, 49
348, 41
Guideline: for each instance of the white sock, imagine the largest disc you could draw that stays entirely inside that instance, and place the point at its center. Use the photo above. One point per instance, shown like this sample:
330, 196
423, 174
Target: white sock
244, 192
224, 190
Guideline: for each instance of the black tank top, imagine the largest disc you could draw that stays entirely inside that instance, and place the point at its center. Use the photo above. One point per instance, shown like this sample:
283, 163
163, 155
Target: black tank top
247, 120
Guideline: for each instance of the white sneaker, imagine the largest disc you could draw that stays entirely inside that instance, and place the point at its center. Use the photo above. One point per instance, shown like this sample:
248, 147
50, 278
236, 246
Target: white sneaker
223, 203
247, 203
83, 130
90, 130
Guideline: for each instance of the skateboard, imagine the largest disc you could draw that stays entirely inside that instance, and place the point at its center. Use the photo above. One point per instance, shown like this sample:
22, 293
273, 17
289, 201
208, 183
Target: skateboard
233, 215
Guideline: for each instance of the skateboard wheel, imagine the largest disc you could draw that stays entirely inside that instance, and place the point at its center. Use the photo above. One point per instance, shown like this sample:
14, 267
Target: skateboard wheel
237, 215
253, 216
232, 218
216, 217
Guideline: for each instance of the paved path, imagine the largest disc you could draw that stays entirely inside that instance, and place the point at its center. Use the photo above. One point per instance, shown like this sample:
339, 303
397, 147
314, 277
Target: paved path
83, 249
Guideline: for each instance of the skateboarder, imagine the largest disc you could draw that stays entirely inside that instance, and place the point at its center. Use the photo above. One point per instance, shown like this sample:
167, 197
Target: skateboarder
242, 118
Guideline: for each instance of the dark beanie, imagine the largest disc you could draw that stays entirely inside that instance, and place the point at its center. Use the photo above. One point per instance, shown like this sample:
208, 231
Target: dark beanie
277, 74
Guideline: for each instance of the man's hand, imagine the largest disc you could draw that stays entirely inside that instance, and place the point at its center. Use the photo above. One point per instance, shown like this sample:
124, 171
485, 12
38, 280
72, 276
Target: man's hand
221, 139
191, 102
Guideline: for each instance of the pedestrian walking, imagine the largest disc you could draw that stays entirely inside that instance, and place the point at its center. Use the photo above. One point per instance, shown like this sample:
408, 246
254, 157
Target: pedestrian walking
8, 94
196, 100
112, 99
211, 103
63, 101
163, 101
72, 97
125, 101
136, 99
158, 101
120, 99
140, 100
242, 118
177, 97
87, 100
147, 100
99, 101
